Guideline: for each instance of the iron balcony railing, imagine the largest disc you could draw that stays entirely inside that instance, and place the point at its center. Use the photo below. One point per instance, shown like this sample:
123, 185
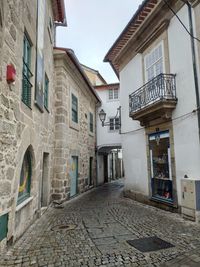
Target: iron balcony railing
162, 87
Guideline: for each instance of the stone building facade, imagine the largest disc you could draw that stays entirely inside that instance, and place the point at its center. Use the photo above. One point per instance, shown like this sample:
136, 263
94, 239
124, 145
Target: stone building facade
74, 140
31, 115
24, 128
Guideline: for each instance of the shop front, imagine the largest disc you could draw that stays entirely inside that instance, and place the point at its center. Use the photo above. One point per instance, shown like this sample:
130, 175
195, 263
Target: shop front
161, 167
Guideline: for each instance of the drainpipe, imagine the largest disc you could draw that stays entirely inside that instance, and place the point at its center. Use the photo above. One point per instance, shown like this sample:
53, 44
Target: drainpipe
194, 62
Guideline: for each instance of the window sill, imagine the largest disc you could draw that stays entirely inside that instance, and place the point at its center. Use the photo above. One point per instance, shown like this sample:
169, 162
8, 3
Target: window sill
91, 134
113, 131
74, 125
24, 203
112, 100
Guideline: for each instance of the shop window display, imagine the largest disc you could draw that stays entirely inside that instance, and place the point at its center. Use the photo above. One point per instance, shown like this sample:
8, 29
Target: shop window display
161, 177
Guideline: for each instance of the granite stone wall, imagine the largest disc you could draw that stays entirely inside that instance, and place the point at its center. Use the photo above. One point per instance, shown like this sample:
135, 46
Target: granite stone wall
72, 139
49, 135
20, 126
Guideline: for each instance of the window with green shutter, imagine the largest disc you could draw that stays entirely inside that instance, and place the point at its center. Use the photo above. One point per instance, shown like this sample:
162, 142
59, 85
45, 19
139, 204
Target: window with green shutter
25, 178
46, 92
91, 122
74, 108
3, 226
26, 73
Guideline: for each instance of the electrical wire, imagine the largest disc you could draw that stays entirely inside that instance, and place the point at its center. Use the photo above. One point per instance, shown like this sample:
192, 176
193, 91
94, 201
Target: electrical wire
156, 124
195, 38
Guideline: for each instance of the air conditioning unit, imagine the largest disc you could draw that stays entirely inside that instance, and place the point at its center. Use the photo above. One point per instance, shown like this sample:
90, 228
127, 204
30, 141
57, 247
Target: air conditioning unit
190, 198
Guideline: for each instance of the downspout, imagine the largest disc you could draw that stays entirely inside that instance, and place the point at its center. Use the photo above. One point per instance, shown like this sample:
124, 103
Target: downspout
194, 62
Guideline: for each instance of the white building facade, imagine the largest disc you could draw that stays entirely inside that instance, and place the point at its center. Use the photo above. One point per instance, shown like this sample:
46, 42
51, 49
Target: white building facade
159, 81
108, 137
109, 153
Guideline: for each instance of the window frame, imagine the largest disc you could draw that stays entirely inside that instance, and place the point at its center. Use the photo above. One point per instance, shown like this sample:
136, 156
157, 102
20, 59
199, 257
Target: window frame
74, 111
91, 122
111, 94
154, 64
116, 127
26, 96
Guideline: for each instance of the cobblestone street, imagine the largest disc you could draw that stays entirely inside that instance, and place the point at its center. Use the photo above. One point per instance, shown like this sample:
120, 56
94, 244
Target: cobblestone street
98, 225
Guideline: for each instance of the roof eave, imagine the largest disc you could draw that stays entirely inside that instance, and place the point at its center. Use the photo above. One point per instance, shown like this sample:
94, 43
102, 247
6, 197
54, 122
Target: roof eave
59, 13
75, 61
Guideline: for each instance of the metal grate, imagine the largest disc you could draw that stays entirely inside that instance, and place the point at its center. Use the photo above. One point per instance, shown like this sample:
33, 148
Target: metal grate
148, 244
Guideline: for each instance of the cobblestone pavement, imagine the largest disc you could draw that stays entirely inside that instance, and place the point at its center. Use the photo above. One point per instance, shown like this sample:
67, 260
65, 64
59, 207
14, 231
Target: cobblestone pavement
101, 222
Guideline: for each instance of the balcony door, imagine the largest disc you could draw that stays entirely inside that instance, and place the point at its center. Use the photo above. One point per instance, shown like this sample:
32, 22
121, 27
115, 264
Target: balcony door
154, 62
160, 162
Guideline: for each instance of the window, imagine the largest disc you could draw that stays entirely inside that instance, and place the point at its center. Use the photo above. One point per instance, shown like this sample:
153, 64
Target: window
1, 19
1, 14
46, 92
26, 73
74, 108
160, 162
91, 122
113, 94
25, 178
154, 63
114, 124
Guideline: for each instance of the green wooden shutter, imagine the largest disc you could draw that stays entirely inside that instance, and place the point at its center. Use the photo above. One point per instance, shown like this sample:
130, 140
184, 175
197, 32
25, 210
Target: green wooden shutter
46, 92
26, 73
3, 226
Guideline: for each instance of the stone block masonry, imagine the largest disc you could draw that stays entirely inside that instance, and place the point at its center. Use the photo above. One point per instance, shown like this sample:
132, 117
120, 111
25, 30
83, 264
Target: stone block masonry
72, 139
48, 136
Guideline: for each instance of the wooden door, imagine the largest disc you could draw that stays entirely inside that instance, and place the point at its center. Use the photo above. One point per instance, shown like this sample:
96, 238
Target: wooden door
74, 176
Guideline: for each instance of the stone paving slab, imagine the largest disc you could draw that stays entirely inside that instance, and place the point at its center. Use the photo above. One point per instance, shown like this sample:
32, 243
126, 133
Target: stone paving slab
101, 222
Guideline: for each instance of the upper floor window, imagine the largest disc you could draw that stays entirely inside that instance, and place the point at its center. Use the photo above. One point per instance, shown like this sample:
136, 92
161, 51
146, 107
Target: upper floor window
113, 94
46, 92
91, 123
1, 14
74, 108
25, 178
154, 63
114, 124
26, 72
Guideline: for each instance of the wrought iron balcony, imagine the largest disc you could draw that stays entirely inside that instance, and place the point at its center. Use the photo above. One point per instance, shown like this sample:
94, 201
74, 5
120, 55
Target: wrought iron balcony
155, 99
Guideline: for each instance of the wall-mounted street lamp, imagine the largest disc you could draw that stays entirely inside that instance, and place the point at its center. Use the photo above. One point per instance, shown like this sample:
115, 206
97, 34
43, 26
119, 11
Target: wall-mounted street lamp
102, 117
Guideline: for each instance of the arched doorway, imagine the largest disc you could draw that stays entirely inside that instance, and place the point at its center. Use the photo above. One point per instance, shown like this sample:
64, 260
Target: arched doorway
25, 178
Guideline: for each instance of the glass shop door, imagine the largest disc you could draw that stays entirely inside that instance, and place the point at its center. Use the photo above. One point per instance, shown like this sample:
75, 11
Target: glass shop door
160, 161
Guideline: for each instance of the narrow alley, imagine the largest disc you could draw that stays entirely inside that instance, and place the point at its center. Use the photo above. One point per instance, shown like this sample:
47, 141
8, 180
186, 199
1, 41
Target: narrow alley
93, 230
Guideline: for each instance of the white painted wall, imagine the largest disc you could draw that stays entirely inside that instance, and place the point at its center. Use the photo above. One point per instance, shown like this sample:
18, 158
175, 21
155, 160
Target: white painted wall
133, 142
104, 136
186, 140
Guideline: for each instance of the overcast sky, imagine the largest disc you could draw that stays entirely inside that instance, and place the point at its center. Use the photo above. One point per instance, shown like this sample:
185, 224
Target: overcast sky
93, 26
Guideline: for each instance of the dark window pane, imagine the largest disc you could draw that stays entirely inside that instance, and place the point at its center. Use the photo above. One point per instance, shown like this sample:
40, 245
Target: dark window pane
112, 124
91, 123
116, 123
74, 109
